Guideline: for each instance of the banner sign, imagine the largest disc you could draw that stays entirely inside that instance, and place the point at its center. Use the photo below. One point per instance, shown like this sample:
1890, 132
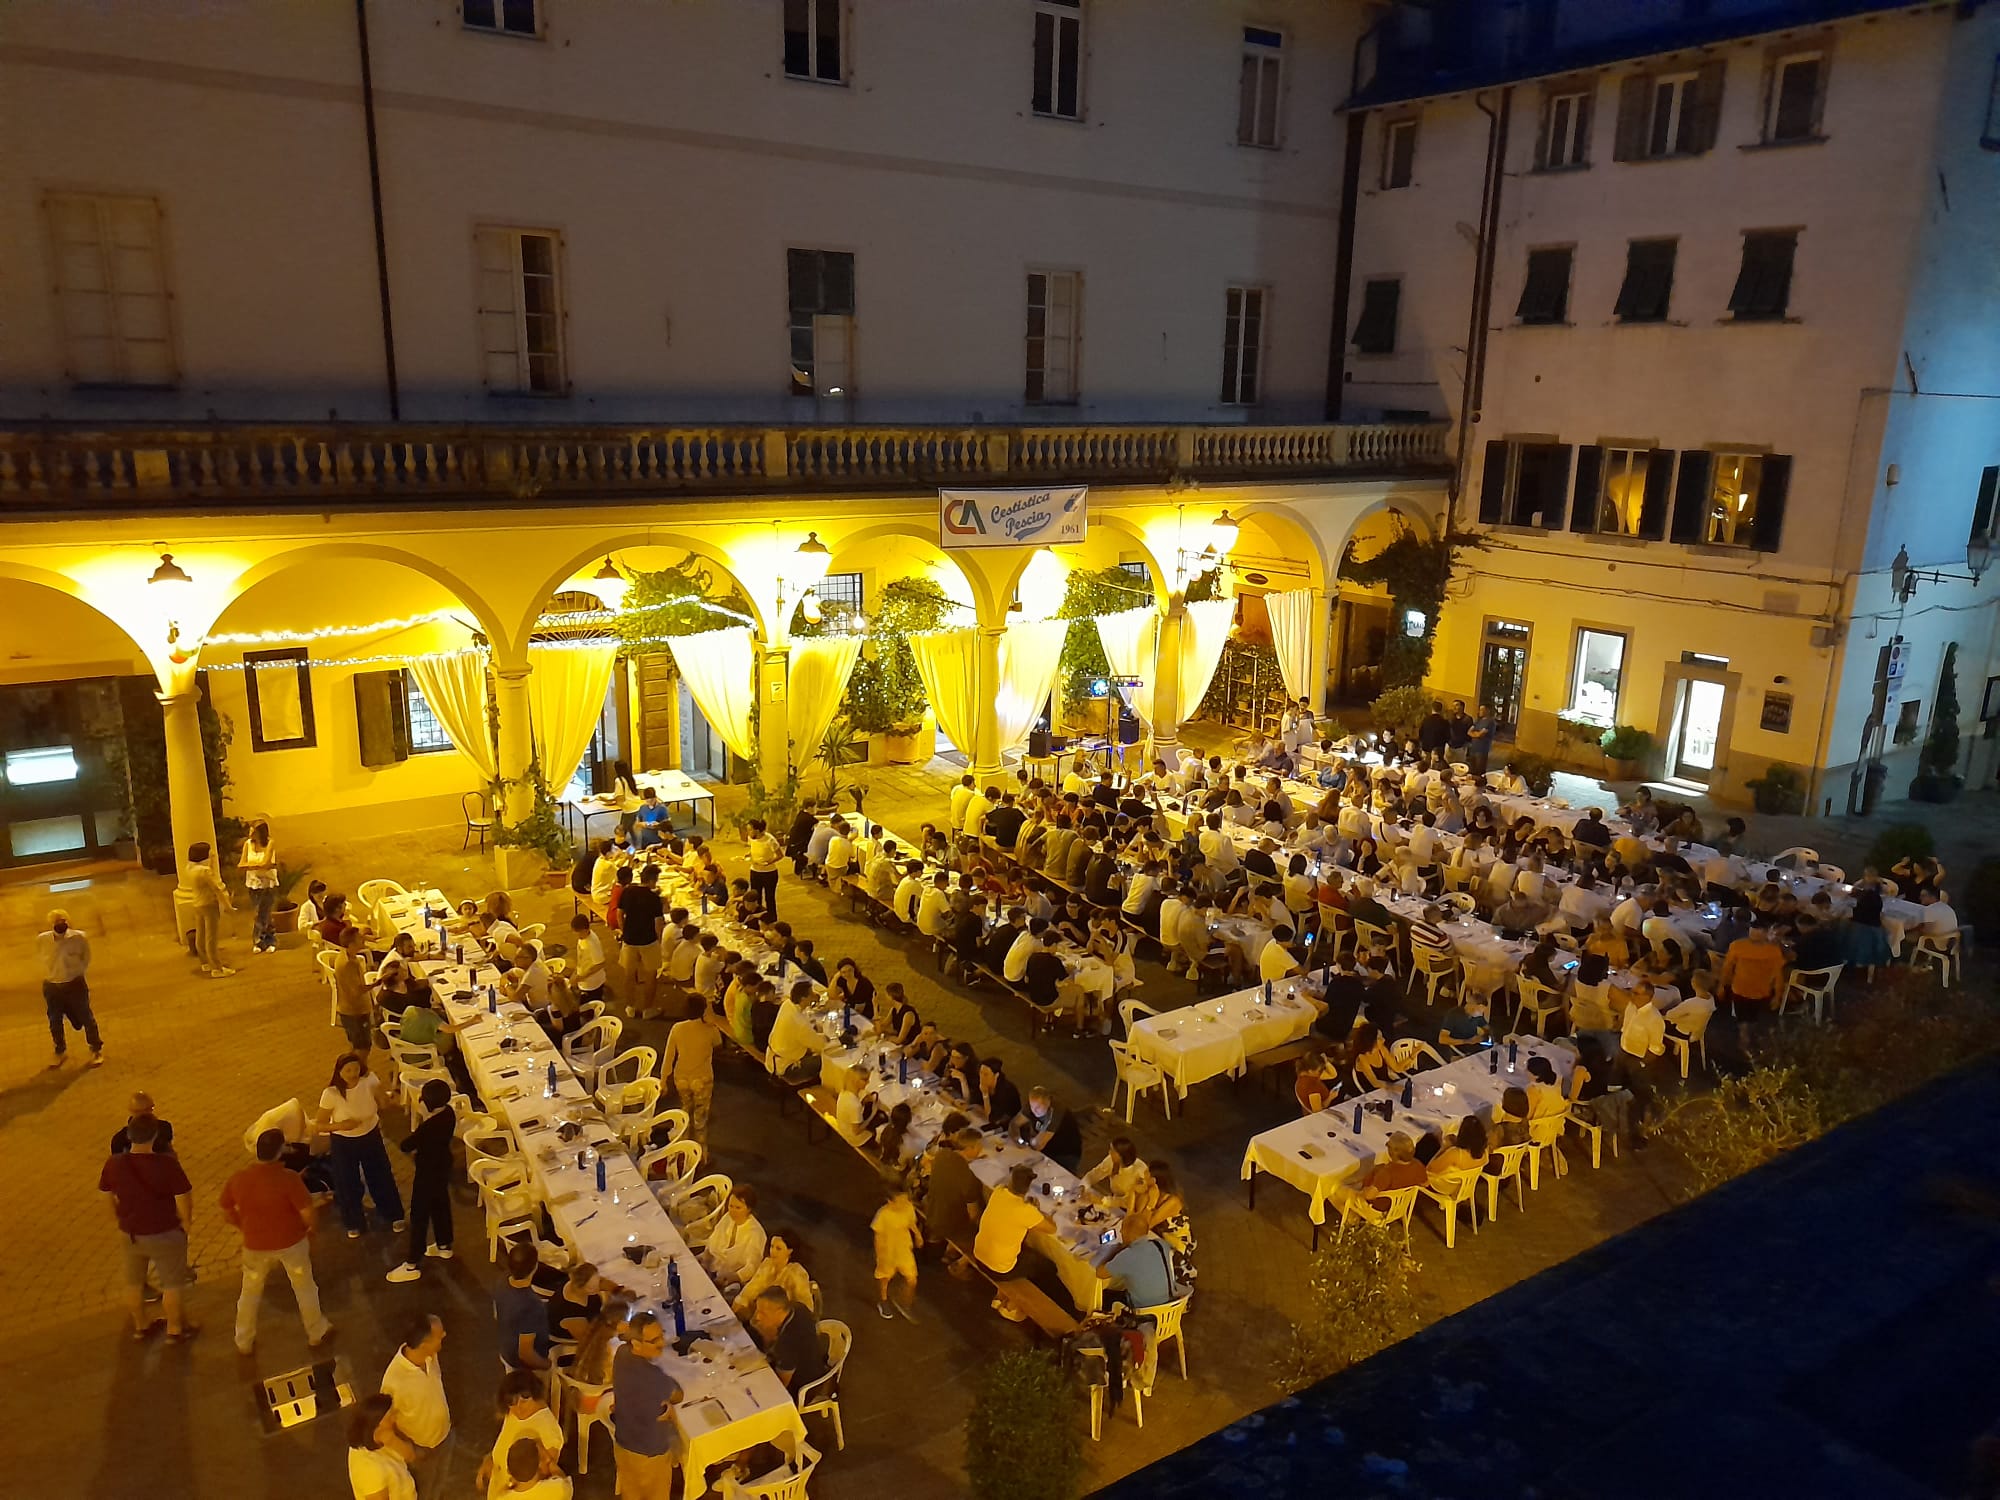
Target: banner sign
1013, 518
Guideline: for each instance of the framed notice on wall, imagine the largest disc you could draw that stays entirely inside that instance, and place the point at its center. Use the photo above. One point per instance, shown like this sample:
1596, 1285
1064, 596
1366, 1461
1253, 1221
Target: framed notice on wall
279, 686
1777, 715
1989, 706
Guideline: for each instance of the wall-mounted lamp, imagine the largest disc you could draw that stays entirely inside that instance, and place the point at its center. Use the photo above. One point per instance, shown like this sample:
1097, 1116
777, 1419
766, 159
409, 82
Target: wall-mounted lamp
609, 585
1903, 579
169, 571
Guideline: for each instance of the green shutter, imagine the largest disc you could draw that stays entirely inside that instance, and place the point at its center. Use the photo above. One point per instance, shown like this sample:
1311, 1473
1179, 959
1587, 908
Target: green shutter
1691, 495
1635, 100
1493, 482
1707, 105
1653, 510
1583, 502
1770, 525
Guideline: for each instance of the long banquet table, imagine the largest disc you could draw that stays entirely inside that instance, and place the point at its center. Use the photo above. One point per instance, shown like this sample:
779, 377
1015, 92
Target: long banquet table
1212, 1037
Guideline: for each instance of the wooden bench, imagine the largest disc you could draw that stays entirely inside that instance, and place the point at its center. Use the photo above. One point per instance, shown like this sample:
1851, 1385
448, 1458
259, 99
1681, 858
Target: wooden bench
1017, 1292
1272, 1060
819, 1102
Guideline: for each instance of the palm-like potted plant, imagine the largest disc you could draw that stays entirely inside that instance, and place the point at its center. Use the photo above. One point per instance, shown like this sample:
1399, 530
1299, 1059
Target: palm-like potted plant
1625, 747
1937, 778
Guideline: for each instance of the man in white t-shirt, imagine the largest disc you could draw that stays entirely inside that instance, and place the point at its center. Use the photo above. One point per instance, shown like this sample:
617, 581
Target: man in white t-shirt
586, 957
909, 892
961, 794
414, 1381
1939, 919
935, 906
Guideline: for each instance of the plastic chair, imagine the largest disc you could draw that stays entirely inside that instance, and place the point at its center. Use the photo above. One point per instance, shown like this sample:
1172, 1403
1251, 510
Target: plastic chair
593, 1045
1693, 1039
1129, 1012
512, 1206
1460, 1186
1136, 1077
589, 1405
697, 1207
369, 892
1408, 1051
788, 1485
630, 1104
328, 960
1590, 1007
492, 1143
638, 1134
1436, 966
629, 1066
823, 1395
1380, 939
1797, 854
1814, 987
478, 818
1510, 1159
1402, 1203
1833, 873
1536, 1001
1167, 1318
1594, 1132
682, 1160
1545, 1134
1939, 953
1458, 899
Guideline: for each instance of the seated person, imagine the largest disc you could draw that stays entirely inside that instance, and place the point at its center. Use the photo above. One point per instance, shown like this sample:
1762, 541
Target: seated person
1465, 1152
652, 822
1400, 1170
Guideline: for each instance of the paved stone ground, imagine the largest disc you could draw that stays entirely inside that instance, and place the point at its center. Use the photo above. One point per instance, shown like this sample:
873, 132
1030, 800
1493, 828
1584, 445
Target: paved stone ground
216, 1053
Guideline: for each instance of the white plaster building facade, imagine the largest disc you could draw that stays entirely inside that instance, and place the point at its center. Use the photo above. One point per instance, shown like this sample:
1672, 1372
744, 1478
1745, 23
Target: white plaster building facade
1744, 250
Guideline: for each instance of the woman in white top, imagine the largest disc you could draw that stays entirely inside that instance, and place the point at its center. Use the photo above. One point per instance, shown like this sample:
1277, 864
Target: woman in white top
779, 1268
738, 1242
259, 863
350, 1115
378, 1456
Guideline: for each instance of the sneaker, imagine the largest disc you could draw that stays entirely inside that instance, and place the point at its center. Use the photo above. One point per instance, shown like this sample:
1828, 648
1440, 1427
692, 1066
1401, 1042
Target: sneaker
320, 1342
903, 1310
439, 1252
206, 972
401, 1226
354, 1234
221, 973
405, 1272
96, 1060
882, 1308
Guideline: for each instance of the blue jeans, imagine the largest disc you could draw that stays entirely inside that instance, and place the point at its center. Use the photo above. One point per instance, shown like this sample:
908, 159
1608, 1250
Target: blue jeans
356, 1159
262, 934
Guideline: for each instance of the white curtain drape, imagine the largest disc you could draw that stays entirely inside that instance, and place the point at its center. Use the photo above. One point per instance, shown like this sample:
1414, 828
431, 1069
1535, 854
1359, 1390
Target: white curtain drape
1029, 655
820, 669
948, 662
1203, 635
1293, 621
454, 689
566, 688
1131, 643
719, 667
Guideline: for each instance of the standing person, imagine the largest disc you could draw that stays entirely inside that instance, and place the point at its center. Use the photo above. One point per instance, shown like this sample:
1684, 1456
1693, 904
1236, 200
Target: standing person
642, 1413
586, 960
64, 954
153, 1202
429, 1146
1479, 739
896, 1237
269, 1203
350, 991
211, 900
641, 915
141, 1104
764, 854
350, 1113
414, 1383
690, 1063
259, 864
378, 1456
524, 1418
1460, 725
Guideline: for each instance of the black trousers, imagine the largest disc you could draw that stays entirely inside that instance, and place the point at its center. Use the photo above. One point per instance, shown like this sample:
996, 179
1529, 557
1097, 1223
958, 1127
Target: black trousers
765, 884
430, 1211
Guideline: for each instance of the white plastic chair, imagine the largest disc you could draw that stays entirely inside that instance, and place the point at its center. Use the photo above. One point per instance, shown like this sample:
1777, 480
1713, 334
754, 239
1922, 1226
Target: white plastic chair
1545, 1134
328, 960
682, 1160
1814, 987
1136, 1077
1461, 1186
629, 1066
1797, 854
1833, 873
787, 1485
1380, 939
1459, 900
699, 1207
1536, 1001
823, 1394
1939, 953
371, 891
630, 1104
1402, 1202
569, 1394
1510, 1159
1436, 966
1409, 1051
1693, 1039
1129, 1012
593, 1045
1167, 1317
512, 1206
639, 1131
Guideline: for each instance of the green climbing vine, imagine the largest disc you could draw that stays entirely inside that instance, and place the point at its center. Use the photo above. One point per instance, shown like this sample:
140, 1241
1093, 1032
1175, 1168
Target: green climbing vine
1415, 571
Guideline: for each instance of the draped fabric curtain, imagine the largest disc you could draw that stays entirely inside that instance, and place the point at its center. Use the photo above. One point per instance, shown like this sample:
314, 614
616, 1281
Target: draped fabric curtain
820, 669
719, 667
566, 689
948, 662
1292, 625
454, 689
1203, 636
1131, 642
1030, 653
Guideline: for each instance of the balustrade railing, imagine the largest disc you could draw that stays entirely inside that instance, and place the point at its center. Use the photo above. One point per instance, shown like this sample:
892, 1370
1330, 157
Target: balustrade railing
44, 468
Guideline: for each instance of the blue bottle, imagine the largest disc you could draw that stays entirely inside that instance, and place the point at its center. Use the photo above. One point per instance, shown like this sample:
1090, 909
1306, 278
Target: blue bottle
1267, 992
902, 1070
704, 901
600, 1162
1409, 1093
1513, 1051
458, 953
1357, 1119
552, 1090
492, 1001
846, 1018
1492, 1060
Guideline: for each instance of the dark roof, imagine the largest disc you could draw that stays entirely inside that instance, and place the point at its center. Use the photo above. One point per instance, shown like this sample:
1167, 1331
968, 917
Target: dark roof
1820, 1328
1425, 48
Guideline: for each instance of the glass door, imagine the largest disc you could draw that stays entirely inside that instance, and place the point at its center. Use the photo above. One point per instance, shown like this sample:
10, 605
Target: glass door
1503, 672
1700, 719
59, 798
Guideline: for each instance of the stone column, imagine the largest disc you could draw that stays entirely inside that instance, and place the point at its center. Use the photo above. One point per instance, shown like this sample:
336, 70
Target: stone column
984, 751
1167, 681
191, 811
774, 666
515, 748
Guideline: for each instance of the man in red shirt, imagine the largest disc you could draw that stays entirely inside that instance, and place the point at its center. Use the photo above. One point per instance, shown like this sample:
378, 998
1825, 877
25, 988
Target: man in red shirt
154, 1203
270, 1205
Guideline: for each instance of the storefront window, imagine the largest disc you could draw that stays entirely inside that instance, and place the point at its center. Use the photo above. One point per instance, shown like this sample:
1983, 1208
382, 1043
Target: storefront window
1600, 664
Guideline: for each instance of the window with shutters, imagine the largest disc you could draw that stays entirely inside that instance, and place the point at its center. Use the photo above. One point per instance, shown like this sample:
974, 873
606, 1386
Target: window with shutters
1986, 509
819, 294
110, 279
1242, 344
1058, 90
1399, 153
1565, 131
1545, 292
1524, 483
1375, 330
1257, 88
1621, 491
1670, 130
1763, 291
812, 41
1055, 300
1735, 490
1648, 288
520, 310
1596, 674
1669, 114
426, 733
504, 17
1794, 96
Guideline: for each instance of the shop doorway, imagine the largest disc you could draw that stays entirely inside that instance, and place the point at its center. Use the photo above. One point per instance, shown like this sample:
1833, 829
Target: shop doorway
703, 754
60, 774
1503, 672
1697, 730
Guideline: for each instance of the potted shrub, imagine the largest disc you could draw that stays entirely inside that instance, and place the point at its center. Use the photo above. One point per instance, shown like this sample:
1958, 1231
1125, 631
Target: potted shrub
1022, 1438
1538, 771
1400, 710
1780, 790
1937, 778
285, 914
1625, 748
1578, 738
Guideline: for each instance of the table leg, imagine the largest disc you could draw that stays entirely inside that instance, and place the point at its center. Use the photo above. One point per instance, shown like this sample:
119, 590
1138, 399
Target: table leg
1252, 1184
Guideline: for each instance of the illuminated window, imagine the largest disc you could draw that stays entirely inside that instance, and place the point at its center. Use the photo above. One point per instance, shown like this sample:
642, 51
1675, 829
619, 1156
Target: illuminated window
1595, 676
1058, 91
520, 310
1242, 345
1763, 289
111, 291
1399, 153
1648, 288
1565, 131
1621, 501
819, 288
1257, 90
426, 733
841, 588
1794, 97
507, 17
1054, 304
1732, 499
1545, 292
812, 40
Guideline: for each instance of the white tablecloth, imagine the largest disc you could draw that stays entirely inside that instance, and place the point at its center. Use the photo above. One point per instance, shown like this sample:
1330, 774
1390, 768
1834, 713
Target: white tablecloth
1213, 1037
733, 1398
1321, 1152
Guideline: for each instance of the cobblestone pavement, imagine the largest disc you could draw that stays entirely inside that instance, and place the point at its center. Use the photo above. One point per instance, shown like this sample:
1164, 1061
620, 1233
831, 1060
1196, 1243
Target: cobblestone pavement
215, 1053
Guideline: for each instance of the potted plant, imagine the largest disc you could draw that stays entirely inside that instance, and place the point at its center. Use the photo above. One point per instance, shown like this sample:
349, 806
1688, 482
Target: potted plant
1021, 1437
1538, 771
1625, 748
885, 696
1780, 790
1578, 738
1400, 710
1937, 778
285, 913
